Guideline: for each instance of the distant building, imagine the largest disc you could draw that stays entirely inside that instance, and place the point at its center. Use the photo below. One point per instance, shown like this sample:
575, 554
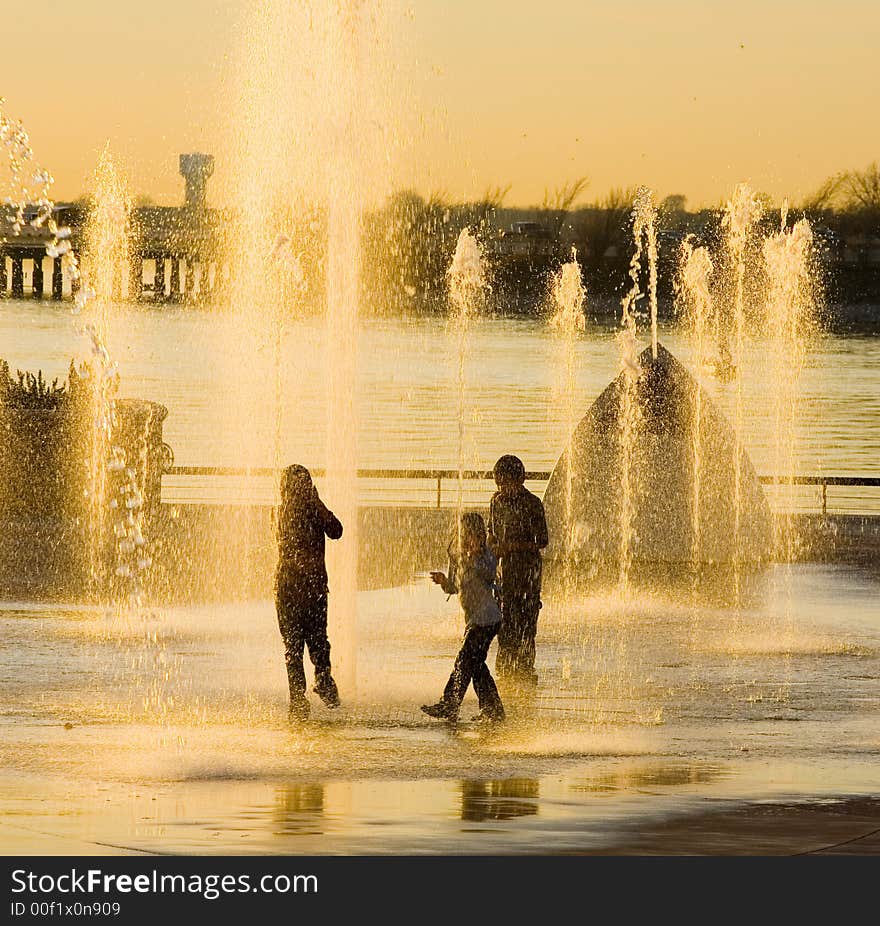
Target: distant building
527, 241
196, 169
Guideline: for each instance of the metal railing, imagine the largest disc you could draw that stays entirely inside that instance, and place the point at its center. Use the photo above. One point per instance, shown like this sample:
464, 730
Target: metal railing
453, 475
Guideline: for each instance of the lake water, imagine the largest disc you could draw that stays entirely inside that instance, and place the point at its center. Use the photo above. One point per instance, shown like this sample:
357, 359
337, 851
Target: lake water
516, 397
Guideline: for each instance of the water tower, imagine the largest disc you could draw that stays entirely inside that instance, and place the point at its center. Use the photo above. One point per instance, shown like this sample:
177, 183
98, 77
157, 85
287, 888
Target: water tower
195, 170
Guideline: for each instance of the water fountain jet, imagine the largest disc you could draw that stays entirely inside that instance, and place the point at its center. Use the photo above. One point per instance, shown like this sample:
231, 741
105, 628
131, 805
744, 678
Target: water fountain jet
467, 285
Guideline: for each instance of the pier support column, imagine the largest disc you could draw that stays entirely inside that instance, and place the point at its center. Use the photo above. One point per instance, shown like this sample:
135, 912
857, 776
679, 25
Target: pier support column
136, 277
159, 279
57, 279
37, 277
76, 282
174, 291
4, 279
17, 275
188, 277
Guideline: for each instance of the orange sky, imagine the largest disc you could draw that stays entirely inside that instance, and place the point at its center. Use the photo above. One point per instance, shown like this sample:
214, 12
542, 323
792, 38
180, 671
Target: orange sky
686, 96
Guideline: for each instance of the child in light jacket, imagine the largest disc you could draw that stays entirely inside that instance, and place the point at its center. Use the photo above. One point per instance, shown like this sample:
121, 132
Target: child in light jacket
472, 577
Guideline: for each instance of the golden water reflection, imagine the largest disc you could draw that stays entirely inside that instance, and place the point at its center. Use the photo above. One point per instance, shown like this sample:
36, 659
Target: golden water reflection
647, 777
504, 799
299, 809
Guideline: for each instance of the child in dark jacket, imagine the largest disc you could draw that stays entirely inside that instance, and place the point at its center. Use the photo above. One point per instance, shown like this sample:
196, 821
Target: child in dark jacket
301, 587
517, 534
472, 576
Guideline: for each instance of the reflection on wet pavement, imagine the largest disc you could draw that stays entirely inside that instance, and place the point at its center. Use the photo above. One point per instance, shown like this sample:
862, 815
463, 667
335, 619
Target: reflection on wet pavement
167, 732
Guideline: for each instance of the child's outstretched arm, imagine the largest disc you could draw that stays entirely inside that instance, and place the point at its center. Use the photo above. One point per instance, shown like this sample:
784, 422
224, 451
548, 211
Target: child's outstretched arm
447, 583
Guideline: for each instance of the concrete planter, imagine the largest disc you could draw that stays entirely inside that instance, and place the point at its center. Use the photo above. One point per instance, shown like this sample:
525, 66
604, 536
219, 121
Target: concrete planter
52, 542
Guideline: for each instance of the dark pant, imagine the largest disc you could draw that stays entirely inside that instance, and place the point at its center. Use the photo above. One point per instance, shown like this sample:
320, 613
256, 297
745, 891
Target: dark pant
470, 666
516, 635
302, 620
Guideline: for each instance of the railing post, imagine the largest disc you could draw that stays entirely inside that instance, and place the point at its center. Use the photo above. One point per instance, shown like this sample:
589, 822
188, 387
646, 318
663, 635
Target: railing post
439, 480
824, 498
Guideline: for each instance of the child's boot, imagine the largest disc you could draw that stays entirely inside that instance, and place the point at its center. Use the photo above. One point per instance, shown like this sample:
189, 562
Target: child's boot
325, 688
442, 710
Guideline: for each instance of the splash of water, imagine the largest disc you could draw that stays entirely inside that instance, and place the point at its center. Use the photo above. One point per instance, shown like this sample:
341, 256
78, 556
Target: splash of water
29, 183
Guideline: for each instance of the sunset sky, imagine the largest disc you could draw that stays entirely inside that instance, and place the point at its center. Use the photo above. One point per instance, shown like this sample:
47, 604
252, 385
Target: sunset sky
686, 96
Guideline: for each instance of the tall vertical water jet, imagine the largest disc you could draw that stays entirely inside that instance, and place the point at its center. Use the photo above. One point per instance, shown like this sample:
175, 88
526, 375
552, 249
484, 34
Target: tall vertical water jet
307, 129
644, 239
253, 322
791, 295
695, 270
467, 284
345, 210
647, 217
105, 260
741, 214
568, 297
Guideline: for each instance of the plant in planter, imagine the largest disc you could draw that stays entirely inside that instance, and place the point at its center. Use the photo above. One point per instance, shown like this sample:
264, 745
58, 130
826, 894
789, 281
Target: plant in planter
29, 391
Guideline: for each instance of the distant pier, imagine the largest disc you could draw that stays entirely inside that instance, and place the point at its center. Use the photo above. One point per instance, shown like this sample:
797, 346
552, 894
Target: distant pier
175, 251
